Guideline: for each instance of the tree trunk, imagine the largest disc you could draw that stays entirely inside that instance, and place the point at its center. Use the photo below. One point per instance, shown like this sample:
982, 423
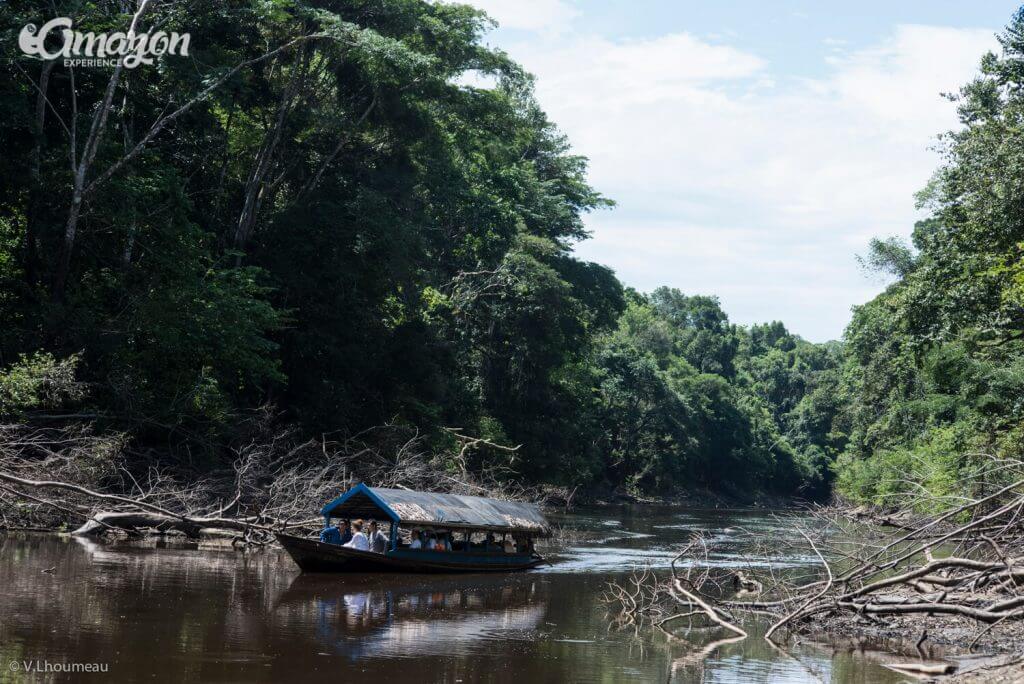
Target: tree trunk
133, 520
265, 157
92, 144
35, 191
60, 278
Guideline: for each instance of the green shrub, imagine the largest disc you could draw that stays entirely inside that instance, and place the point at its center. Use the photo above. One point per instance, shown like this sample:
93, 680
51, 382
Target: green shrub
39, 382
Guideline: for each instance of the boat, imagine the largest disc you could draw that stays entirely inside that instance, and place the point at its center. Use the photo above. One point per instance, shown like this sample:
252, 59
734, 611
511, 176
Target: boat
409, 510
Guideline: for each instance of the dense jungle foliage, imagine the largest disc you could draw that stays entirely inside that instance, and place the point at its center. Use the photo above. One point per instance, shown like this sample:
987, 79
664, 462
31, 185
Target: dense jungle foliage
343, 229
314, 211
935, 365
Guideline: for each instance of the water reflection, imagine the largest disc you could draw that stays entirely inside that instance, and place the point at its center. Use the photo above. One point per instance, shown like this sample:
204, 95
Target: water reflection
395, 618
173, 612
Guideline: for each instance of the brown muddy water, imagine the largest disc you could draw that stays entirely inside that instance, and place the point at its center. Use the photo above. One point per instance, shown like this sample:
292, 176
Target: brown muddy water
172, 612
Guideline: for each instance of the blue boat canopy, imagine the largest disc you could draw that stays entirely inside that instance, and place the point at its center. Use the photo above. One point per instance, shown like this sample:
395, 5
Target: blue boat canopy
438, 510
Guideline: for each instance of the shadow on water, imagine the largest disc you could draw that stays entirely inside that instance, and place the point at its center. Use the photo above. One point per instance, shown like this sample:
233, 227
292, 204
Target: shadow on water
174, 612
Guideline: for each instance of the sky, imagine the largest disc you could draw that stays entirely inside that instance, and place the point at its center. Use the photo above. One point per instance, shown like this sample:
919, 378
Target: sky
753, 148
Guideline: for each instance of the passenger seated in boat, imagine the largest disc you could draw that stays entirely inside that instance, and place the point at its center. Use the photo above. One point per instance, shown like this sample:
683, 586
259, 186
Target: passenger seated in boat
428, 541
508, 546
416, 543
330, 535
346, 533
378, 542
489, 543
359, 542
444, 542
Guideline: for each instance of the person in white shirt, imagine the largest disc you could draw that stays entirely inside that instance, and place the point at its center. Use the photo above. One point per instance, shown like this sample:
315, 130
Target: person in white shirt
359, 541
416, 543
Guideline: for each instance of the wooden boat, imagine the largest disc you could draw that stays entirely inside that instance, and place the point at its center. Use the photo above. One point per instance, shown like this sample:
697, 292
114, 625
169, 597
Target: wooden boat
317, 556
415, 510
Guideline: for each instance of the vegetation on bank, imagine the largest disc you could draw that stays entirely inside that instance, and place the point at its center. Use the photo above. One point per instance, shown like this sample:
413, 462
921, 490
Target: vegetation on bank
934, 367
314, 212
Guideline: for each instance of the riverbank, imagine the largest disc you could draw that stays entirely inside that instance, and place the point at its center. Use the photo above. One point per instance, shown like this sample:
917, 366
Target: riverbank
698, 499
912, 636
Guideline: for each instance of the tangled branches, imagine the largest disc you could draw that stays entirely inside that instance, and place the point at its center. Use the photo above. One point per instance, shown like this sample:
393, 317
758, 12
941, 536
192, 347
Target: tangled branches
638, 599
647, 597
960, 565
67, 475
958, 570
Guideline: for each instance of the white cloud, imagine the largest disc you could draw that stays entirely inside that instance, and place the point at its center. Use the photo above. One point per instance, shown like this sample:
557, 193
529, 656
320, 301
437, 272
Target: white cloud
590, 74
737, 180
543, 16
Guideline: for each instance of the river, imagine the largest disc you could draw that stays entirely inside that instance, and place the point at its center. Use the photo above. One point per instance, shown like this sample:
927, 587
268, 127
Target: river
168, 611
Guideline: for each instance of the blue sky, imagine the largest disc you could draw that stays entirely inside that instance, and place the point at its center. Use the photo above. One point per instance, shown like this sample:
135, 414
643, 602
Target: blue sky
753, 148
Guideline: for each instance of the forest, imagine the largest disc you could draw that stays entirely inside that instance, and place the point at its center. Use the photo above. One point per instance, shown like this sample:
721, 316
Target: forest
934, 366
315, 221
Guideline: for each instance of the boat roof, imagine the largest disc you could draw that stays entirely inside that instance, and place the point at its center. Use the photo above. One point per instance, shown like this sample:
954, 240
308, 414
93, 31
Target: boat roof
431, 509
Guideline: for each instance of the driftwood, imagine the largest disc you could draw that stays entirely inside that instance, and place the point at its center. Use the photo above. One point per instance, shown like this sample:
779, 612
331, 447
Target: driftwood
644, 596
925, 669
144, 515
964, 563
69, 476
682, 594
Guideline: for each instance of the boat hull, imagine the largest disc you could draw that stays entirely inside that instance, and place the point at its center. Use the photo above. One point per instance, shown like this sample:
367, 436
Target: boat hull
315, 556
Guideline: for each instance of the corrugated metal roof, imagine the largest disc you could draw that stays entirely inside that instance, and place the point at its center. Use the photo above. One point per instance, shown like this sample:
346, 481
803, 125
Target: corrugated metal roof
440, 510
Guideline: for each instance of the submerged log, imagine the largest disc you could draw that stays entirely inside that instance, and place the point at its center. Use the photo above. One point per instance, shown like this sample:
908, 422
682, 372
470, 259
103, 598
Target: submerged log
191, 527
924, 669
101, 522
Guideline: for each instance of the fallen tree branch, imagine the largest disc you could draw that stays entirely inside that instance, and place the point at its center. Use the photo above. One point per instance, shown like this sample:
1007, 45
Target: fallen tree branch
277, 482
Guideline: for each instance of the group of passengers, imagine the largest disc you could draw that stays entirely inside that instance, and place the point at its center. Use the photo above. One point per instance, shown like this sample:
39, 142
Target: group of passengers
351, 534
442, 541
445, 541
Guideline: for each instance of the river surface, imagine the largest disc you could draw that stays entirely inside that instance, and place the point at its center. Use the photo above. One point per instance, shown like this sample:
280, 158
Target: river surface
159, 611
